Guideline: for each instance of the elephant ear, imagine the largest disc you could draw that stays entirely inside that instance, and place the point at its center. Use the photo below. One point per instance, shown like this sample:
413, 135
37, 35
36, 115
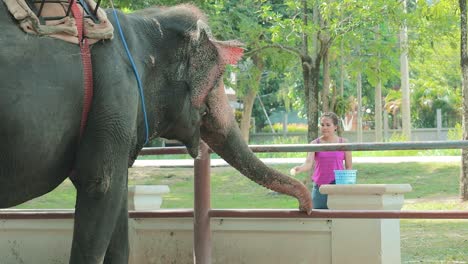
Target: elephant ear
230, 52
208, 60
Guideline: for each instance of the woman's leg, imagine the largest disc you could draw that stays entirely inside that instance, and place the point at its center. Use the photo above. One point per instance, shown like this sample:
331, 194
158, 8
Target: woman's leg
320, 200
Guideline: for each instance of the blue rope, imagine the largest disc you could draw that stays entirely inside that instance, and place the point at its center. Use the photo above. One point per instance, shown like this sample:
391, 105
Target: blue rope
135, 71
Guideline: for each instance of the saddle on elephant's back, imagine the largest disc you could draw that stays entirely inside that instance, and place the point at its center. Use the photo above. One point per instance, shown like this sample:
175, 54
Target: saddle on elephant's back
54, 19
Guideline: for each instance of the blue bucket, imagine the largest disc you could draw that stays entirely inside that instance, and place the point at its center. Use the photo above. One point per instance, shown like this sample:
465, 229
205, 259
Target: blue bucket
345, 176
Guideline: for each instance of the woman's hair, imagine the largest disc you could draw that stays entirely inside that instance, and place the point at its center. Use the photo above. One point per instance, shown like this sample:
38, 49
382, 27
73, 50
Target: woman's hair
333, 117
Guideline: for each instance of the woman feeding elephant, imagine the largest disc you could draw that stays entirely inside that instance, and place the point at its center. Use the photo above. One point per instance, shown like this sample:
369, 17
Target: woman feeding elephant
321, 164
181, 68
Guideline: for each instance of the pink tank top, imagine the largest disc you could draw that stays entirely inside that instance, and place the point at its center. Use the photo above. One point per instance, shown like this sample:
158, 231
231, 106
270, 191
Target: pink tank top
325, 163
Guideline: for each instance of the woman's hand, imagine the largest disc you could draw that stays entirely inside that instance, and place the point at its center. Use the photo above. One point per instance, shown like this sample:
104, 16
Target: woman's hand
293, 171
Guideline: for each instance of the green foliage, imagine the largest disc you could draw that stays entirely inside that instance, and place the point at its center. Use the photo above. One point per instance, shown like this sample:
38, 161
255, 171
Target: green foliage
287, 140
238, 116
455, 133
363, 39
297, 128
398, 137
278, 127
343, 105
435, 72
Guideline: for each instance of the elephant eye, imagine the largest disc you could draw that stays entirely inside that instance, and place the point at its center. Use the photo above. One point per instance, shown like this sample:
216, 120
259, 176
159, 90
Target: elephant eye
204, 111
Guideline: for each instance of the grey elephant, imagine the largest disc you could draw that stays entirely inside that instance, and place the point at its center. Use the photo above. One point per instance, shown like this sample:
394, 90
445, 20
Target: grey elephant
41, 101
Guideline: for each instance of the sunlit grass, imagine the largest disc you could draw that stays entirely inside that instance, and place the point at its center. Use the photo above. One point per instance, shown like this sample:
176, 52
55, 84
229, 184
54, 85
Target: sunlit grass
229, 187
441, 203
434, 241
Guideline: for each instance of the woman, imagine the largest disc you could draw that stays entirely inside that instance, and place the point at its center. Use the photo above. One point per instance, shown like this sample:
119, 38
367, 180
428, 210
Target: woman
325, 162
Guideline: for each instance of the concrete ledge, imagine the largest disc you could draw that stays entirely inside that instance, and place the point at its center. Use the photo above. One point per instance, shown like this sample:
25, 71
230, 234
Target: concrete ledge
366, 240
363, 189
170, 240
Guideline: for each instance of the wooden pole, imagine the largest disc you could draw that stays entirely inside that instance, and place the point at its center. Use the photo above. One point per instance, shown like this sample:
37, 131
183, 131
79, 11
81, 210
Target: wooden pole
202, 206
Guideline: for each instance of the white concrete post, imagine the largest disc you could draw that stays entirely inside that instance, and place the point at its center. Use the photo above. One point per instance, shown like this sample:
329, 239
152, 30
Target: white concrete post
146, 197
439, 123
365, 240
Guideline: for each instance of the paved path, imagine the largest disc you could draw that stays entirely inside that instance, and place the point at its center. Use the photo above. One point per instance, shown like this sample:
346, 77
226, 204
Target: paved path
219, 162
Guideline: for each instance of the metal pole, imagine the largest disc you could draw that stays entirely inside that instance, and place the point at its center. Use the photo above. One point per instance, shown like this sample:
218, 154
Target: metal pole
452, 144
457, 144
11, 214
202, 206
356, 214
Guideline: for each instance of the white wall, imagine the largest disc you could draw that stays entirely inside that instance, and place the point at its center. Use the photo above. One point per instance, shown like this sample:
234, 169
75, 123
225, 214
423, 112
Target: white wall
170, 240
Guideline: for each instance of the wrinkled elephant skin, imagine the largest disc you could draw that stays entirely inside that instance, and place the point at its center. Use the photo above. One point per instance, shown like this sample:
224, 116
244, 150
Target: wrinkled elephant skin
41, 100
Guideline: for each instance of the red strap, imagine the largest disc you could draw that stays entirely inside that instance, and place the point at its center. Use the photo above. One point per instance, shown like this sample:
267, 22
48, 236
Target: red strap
87, 66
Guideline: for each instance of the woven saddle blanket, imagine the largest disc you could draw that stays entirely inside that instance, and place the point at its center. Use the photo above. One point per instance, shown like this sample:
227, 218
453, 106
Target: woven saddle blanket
64, 28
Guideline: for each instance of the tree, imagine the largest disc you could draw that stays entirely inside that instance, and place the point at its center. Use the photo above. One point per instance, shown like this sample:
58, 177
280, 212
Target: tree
435, 74
464, 66
393, 107
310, 31
243, 20
249, 87
405, 90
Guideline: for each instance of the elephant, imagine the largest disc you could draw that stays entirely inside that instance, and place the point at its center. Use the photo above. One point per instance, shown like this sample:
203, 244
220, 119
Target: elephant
181, 67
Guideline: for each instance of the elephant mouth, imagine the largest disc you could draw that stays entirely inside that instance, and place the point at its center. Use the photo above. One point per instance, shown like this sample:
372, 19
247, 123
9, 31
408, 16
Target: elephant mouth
193, 150
191, 142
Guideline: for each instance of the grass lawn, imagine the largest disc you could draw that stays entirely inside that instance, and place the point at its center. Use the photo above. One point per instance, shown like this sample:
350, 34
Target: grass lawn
435, 187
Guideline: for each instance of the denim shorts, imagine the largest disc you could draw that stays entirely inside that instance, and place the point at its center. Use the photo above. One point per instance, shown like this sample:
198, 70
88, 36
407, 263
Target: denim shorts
319, 199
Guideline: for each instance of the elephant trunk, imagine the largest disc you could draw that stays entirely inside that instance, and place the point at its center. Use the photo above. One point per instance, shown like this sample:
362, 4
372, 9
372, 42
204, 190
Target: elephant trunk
235, 151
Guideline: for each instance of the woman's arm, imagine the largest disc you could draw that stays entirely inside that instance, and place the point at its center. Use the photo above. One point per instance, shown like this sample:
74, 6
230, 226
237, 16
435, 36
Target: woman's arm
348, 160
308, 164
348, 157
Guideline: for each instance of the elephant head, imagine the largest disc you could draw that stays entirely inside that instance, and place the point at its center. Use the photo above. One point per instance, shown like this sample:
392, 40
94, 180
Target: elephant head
208, 116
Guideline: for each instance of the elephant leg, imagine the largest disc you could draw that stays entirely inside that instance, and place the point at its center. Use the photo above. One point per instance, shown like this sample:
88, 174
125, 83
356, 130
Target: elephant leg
101, 183
118, 250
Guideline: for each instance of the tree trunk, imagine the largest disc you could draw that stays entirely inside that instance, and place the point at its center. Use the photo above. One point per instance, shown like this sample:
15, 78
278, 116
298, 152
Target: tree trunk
311, 73
342, 71
464, 67
313, 102
378, 98
248, 102
359, 112
405, 92
378, 112
249, 99
333, 98
326, 82
396, 122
